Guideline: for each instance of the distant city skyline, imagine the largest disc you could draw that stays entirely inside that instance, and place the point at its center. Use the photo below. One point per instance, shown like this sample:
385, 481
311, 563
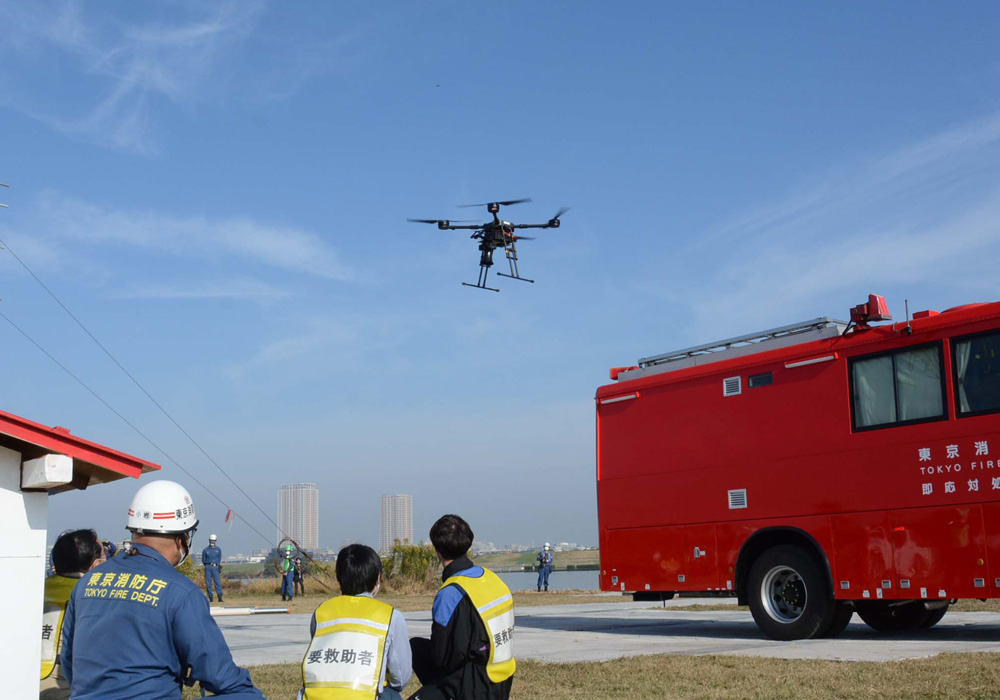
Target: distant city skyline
396, 520
298, 514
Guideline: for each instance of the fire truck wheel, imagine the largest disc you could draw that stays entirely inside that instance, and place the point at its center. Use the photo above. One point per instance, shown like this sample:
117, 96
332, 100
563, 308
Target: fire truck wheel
879, 615
934, 617
789, 595
842, 615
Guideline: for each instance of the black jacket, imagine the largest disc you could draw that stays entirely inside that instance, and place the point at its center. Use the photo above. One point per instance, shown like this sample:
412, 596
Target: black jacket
461, 647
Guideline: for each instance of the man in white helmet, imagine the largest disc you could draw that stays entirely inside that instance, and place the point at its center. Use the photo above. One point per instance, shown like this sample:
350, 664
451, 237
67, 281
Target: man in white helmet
137, 628
545, 561
211, 559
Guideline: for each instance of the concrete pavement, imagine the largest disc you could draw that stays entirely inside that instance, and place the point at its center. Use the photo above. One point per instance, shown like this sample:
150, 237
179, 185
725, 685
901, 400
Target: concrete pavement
602, 631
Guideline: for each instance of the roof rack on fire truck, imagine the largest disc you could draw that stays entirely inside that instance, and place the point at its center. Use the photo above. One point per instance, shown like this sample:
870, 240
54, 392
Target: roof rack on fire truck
824, 326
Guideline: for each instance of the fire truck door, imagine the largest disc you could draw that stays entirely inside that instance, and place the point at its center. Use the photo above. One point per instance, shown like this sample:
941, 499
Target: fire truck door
940, 552
701, 558
862, 551
646, 559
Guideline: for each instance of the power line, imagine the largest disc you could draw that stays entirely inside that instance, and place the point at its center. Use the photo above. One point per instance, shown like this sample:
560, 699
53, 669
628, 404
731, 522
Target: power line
125, 420
141, 387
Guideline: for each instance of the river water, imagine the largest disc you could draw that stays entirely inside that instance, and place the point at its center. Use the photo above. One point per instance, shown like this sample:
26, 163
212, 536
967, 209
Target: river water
558, 580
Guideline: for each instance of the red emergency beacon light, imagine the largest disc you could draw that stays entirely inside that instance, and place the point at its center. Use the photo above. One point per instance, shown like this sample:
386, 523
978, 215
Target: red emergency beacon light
814, 470
875, 310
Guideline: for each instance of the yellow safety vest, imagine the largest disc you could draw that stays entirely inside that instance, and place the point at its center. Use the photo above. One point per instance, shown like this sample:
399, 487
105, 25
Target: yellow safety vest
493, 602
58, 590
344, 660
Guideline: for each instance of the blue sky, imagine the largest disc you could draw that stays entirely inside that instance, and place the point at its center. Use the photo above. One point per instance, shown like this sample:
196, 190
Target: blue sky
220, 192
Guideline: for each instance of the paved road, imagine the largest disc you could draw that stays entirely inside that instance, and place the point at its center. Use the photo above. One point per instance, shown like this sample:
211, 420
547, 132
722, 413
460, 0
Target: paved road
601, 631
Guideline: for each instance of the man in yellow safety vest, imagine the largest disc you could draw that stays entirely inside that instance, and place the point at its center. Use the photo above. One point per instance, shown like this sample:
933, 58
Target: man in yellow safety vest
470, 655
74, 554
359, 648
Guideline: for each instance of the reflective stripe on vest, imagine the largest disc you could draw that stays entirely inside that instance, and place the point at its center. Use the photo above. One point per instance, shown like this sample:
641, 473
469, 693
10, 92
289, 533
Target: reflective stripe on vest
344, 660
495, 606
58, 590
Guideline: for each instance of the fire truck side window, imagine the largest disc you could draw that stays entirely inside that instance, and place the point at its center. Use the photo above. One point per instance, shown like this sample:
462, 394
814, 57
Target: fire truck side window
977, 374
901, 387
874, 392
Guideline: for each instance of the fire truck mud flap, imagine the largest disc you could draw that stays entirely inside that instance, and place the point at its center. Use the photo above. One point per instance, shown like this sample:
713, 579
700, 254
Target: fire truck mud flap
789, 595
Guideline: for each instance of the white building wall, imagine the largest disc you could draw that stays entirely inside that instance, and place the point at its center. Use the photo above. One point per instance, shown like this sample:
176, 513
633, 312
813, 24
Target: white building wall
396, 522
298, 514
23, 521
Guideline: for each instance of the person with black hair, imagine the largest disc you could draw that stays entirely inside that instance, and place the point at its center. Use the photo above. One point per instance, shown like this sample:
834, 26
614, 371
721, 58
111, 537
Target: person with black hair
74, 554
298, 578
359, 644
470, 654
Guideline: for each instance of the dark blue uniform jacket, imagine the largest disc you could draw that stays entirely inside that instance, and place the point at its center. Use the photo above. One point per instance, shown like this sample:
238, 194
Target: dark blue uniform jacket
211, 555
134, 627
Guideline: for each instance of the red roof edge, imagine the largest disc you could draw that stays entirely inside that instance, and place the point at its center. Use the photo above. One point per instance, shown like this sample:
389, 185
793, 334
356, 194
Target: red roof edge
60, 440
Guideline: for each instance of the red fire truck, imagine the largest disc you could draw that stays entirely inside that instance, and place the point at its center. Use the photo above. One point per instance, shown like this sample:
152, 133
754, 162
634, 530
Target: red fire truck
813, 470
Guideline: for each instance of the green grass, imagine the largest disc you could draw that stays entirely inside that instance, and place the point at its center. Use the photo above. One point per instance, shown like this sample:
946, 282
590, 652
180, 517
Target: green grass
662, 677
503, 560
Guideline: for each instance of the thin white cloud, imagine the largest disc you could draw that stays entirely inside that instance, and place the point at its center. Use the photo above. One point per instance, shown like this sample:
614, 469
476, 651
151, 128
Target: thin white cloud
81, 224
923, 216
237, 289
118, 68
893, 180
122, 72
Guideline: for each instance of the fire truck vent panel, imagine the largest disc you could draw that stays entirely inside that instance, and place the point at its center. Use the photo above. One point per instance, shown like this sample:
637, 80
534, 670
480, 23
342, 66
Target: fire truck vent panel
737, 499
732, 386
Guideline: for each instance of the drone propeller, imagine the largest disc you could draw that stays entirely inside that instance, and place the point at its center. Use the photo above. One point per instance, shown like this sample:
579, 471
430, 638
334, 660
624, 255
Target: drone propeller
554, 221
443, 221
503, 204
524, 238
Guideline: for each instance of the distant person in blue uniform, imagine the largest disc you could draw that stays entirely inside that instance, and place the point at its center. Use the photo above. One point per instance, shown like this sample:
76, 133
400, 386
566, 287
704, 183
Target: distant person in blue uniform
211, 559
137, 628
545, 560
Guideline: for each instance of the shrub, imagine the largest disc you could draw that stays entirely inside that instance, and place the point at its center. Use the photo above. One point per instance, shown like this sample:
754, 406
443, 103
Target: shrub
411, 568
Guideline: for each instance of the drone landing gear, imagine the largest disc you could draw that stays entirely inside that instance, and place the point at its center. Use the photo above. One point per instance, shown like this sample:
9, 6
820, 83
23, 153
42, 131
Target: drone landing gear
484, 271
515, 277
512, 260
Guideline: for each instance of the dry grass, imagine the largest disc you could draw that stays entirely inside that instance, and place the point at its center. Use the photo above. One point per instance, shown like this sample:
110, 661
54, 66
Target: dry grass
965, 676
991, 605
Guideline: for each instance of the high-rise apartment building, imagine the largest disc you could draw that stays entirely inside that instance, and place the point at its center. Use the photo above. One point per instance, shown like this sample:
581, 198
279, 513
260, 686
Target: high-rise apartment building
298, 514
396, 522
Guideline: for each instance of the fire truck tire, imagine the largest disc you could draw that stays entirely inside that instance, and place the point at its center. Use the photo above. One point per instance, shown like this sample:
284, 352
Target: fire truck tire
789, 594
842, 615
880, 616
934, 617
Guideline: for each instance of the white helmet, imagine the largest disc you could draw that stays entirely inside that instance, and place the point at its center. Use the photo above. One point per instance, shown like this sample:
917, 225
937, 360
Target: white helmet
212, 538
161, 507
547, 546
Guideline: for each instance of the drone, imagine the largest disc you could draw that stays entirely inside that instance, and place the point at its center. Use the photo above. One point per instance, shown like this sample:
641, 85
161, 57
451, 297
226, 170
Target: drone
495, 234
